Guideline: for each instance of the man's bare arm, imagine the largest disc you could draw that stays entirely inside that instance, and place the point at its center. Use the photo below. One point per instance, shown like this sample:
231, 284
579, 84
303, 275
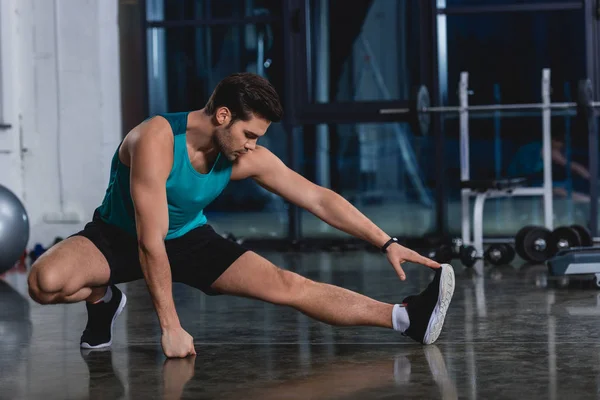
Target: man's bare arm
150, 161
271, 173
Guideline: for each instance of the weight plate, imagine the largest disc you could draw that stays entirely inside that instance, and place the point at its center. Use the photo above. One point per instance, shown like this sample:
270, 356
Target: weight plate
494, 254
584, 234
564, 237
468, 256
500, 254
420, 121
585, 96
520, 240
442, 254
509, 253
535, 245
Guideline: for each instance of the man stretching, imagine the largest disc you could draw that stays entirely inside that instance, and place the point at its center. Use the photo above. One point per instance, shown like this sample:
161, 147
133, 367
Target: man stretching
151, 226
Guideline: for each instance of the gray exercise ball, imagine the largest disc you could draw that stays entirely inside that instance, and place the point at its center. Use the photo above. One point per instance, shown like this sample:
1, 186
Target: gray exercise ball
14, 229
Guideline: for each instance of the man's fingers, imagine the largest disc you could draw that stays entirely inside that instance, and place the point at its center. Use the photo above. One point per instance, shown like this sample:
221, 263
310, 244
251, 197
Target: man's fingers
419, 259
400, 271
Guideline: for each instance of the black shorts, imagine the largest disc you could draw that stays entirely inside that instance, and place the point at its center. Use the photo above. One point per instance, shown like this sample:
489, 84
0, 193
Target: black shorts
197, 258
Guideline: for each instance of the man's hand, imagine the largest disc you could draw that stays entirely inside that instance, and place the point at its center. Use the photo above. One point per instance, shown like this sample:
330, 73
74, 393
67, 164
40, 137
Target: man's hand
177, 343
398, 254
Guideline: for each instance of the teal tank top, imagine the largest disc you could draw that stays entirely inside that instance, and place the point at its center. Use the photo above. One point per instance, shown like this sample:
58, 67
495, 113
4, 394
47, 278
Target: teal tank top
188, 191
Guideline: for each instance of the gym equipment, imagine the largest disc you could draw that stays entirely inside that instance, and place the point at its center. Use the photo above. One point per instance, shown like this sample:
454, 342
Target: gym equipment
468, 255
419, 109
587, 110
14, 229
584, 234
420, 121
576, 261
499, 254
442, 254
532, 243
483, 189
584, 107
496, 254
564, 237
538, 244
445, 253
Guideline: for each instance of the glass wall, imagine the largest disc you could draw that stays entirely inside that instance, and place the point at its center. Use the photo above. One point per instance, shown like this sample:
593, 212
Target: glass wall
215, 11
384, 171
361, 53
361, 59
354, 61
191, 46
187, 58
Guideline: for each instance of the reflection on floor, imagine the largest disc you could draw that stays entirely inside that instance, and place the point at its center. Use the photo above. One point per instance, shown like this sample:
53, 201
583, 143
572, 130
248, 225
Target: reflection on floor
502, 217
511, 333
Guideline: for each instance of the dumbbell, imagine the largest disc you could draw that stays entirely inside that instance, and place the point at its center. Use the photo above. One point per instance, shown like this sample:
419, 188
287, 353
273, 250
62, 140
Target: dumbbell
443, 254
446, 253
496, 254
499, 254
468, 255
532, 243
566, 237
538, 244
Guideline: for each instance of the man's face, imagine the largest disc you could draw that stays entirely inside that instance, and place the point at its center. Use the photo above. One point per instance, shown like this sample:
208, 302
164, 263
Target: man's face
239, 138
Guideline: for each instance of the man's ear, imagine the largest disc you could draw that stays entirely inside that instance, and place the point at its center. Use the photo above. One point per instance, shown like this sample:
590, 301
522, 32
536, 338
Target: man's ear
222, 115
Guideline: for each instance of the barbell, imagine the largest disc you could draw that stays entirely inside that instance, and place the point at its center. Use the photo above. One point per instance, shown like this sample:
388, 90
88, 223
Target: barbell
420, 109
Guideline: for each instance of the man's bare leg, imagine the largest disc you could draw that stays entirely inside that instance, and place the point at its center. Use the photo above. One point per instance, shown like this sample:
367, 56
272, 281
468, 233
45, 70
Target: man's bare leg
422, 318
255, 277
75, 270
70, 271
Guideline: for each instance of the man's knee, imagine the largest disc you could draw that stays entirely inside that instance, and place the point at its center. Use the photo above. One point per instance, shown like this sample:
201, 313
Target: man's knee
291, 287
45, 283
36, 294
39, 296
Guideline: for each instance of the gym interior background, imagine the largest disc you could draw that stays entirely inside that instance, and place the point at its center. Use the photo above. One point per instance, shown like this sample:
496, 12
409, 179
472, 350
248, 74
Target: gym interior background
77, 75
67, 89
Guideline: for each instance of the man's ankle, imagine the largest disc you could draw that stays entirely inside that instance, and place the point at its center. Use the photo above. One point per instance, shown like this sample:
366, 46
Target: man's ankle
97, 294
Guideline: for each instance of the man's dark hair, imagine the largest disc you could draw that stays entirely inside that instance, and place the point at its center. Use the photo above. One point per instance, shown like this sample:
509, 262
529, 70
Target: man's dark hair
245, 94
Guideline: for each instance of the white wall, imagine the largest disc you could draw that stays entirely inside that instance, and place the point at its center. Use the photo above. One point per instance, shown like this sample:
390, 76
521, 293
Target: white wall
61, 92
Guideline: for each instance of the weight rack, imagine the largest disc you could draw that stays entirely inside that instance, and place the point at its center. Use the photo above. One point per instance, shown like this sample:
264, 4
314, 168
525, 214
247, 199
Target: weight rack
510, 190
419, 111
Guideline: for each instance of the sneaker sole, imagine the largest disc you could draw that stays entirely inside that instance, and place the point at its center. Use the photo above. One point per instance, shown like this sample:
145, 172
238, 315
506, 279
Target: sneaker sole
446, 291
85, 345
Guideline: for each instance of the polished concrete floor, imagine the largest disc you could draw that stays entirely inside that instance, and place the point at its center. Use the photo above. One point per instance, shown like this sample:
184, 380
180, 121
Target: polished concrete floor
510, 333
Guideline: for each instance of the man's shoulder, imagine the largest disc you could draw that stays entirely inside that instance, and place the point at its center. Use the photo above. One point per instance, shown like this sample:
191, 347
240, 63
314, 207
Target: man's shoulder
150, 136
254, 163
156, 129
258, 156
